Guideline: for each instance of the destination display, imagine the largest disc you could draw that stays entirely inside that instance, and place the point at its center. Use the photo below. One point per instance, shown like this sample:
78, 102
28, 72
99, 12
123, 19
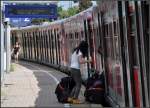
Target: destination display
31, 11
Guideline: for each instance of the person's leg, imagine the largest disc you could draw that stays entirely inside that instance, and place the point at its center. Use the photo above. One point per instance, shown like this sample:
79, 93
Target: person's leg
73, 90
78, 81
17, 56
70, 98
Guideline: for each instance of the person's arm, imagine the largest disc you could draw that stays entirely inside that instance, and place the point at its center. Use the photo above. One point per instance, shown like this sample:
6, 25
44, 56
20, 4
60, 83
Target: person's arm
12, 51
19, 49
82, 60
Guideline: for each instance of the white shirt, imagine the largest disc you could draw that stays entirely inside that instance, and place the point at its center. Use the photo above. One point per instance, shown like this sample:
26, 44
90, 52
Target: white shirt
75, 60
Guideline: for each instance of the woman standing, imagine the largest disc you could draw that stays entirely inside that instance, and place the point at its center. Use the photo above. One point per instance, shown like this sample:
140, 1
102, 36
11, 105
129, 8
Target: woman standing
16, 51
77, 58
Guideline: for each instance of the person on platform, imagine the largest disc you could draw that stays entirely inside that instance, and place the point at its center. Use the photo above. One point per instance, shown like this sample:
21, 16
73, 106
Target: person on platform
16, 51
77, 58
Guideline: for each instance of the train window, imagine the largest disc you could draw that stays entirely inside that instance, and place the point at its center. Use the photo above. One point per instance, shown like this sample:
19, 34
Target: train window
56, 53
132, 22
106, 30
82, 34
35, 44
110, 29
45, 45
27, 37
25, 47
77, 35
71, 35
58, 39
115, 27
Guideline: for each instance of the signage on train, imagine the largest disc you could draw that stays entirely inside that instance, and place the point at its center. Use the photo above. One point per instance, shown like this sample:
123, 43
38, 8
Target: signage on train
31, 11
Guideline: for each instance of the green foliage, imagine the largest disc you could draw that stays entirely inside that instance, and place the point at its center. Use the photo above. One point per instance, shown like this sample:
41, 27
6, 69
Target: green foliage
84, 4
72, 11
67, 13
62, 13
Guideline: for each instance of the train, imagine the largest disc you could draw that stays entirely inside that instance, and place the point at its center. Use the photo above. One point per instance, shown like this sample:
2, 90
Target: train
118, 36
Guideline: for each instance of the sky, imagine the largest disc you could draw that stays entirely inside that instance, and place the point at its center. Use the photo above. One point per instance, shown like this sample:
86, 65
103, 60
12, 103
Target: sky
66, 4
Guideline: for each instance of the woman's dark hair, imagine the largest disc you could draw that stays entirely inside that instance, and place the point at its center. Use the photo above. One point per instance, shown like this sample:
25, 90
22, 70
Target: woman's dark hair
83, 47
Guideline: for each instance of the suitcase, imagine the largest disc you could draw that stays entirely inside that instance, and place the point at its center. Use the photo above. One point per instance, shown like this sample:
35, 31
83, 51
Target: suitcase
64, 89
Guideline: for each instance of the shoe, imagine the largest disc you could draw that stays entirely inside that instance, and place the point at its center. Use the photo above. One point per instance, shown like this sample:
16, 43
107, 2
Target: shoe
70, 100
76, 101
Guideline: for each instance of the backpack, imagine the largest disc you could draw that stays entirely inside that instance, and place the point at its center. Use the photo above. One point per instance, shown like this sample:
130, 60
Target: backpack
64, 89
95, 89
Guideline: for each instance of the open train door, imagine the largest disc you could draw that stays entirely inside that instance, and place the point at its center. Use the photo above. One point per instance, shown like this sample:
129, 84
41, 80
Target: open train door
89, 38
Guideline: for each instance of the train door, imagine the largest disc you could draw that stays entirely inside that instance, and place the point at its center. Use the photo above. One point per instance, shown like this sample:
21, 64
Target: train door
86, 39
27, 43
43, 45
23, 46
63, 43
142, 21
48, 50
58, 41
38, 45
49, 46
98, 41
124, 54
111, 49
89, 38
46, 46
26, 49
34, 48
55, 45
132, 55
32, 45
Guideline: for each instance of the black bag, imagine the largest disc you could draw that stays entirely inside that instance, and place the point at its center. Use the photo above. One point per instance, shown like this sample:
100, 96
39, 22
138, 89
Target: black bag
95, 89
64, 89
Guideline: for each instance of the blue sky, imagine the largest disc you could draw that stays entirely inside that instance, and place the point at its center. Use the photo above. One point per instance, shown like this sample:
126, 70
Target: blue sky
67, 4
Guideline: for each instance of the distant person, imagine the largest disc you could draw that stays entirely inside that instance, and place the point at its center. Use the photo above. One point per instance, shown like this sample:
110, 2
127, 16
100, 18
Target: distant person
77, 58
16, 51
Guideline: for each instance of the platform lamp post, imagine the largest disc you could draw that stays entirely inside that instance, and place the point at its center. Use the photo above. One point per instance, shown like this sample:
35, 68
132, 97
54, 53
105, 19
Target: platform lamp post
7, 44
2, 69
2, 52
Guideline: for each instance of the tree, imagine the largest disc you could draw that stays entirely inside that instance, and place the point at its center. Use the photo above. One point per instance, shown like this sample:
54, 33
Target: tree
84, 4
67, 13
72, 11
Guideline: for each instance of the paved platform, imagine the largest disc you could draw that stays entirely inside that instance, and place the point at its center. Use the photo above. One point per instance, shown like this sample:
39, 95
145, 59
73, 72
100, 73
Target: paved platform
33, 85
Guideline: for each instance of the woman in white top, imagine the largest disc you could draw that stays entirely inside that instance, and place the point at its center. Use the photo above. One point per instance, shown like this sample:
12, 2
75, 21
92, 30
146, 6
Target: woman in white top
77, 58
